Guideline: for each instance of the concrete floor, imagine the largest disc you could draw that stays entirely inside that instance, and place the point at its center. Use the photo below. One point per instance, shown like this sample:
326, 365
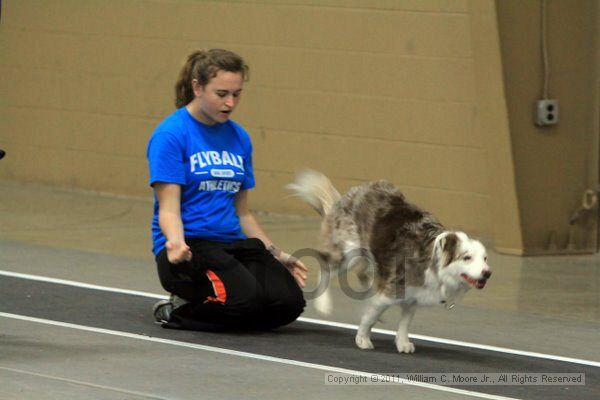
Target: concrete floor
549, 305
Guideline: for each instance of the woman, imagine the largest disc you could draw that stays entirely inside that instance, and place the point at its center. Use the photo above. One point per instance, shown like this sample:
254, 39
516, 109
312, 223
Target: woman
222, 270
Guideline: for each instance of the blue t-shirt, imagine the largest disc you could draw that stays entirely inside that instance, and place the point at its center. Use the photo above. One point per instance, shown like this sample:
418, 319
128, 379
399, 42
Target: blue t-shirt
211, 163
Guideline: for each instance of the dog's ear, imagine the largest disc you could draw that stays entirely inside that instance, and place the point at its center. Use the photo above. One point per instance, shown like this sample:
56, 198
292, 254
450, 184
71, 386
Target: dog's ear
447, 247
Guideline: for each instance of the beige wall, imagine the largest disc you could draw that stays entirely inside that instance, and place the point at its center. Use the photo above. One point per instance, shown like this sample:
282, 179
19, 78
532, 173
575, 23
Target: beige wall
553, 165
409, 91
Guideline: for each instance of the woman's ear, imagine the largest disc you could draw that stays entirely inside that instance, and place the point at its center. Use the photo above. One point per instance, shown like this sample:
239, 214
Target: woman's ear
197, 88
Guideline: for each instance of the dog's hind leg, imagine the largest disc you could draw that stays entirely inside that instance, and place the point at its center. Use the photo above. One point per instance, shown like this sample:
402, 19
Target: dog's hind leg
379, 303
403, 344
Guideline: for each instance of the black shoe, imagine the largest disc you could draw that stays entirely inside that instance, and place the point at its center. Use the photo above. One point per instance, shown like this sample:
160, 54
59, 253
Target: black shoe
162, 311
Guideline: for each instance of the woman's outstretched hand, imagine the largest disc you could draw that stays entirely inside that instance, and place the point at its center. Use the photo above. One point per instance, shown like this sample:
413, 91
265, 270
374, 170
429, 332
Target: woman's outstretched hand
295, 266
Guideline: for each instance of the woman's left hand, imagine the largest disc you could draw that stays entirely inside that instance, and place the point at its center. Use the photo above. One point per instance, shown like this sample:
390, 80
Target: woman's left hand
295, 266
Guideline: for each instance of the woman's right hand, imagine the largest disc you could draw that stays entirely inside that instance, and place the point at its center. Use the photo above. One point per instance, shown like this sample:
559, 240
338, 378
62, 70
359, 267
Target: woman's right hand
178, 252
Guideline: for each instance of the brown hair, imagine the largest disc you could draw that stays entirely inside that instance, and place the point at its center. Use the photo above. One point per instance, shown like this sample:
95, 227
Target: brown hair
203, 65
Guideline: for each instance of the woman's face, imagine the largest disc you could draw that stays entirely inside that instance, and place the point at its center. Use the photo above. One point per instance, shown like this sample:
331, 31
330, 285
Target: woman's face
215, 102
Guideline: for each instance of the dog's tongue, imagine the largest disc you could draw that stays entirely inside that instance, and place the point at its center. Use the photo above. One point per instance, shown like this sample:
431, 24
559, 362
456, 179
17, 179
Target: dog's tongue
479, 284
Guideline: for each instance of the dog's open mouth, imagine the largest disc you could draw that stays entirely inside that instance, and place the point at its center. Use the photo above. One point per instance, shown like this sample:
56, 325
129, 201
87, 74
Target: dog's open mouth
478, 283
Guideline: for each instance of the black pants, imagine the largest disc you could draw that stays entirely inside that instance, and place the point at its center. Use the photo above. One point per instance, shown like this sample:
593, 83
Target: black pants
234, 286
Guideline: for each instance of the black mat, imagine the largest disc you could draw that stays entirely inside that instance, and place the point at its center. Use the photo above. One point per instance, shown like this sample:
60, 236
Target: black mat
299, 341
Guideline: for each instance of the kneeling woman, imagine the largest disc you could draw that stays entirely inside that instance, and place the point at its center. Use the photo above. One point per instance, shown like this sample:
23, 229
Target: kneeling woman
221, 269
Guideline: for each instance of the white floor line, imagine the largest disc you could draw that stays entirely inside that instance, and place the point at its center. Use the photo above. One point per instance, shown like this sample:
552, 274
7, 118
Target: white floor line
254, 356
319, 321
83, 383
459, 343
81, 285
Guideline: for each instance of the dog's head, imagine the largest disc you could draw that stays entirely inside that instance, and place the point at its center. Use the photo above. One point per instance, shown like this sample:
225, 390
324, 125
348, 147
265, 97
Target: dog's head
461, 260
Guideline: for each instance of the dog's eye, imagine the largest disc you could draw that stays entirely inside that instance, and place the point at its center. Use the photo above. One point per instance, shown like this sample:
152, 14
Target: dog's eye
485, 258
467, 258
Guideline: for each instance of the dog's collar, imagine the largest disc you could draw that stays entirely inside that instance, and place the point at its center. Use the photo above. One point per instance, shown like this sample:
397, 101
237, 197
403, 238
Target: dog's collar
449, 306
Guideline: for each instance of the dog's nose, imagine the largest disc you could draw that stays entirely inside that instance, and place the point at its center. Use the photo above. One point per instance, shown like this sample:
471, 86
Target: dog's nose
486, 274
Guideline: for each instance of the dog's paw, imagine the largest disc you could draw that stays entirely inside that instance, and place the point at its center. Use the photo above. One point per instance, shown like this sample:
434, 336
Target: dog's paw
364, 342
404, 346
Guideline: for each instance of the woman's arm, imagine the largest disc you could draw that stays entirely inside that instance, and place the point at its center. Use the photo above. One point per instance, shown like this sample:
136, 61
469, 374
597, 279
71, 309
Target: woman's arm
169, 220
252, 229
250, 225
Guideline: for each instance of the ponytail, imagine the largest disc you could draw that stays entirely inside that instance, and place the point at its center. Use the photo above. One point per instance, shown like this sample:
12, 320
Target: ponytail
203, 65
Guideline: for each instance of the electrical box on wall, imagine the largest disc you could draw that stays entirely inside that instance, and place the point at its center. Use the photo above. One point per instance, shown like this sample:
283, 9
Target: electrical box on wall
546, 112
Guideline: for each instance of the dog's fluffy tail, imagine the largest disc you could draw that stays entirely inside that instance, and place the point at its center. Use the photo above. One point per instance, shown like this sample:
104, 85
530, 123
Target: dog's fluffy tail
316, 189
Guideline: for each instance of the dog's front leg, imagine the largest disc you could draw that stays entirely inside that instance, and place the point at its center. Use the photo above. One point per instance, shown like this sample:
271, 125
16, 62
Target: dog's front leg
403, 344
379, 303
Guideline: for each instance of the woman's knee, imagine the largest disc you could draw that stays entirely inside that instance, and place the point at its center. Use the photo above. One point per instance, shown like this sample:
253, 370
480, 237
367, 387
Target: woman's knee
295, 303
296, 308
294, 300
283, 312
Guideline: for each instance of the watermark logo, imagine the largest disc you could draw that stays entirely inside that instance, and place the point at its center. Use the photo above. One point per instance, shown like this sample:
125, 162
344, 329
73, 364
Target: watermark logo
458, 379
359, 260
